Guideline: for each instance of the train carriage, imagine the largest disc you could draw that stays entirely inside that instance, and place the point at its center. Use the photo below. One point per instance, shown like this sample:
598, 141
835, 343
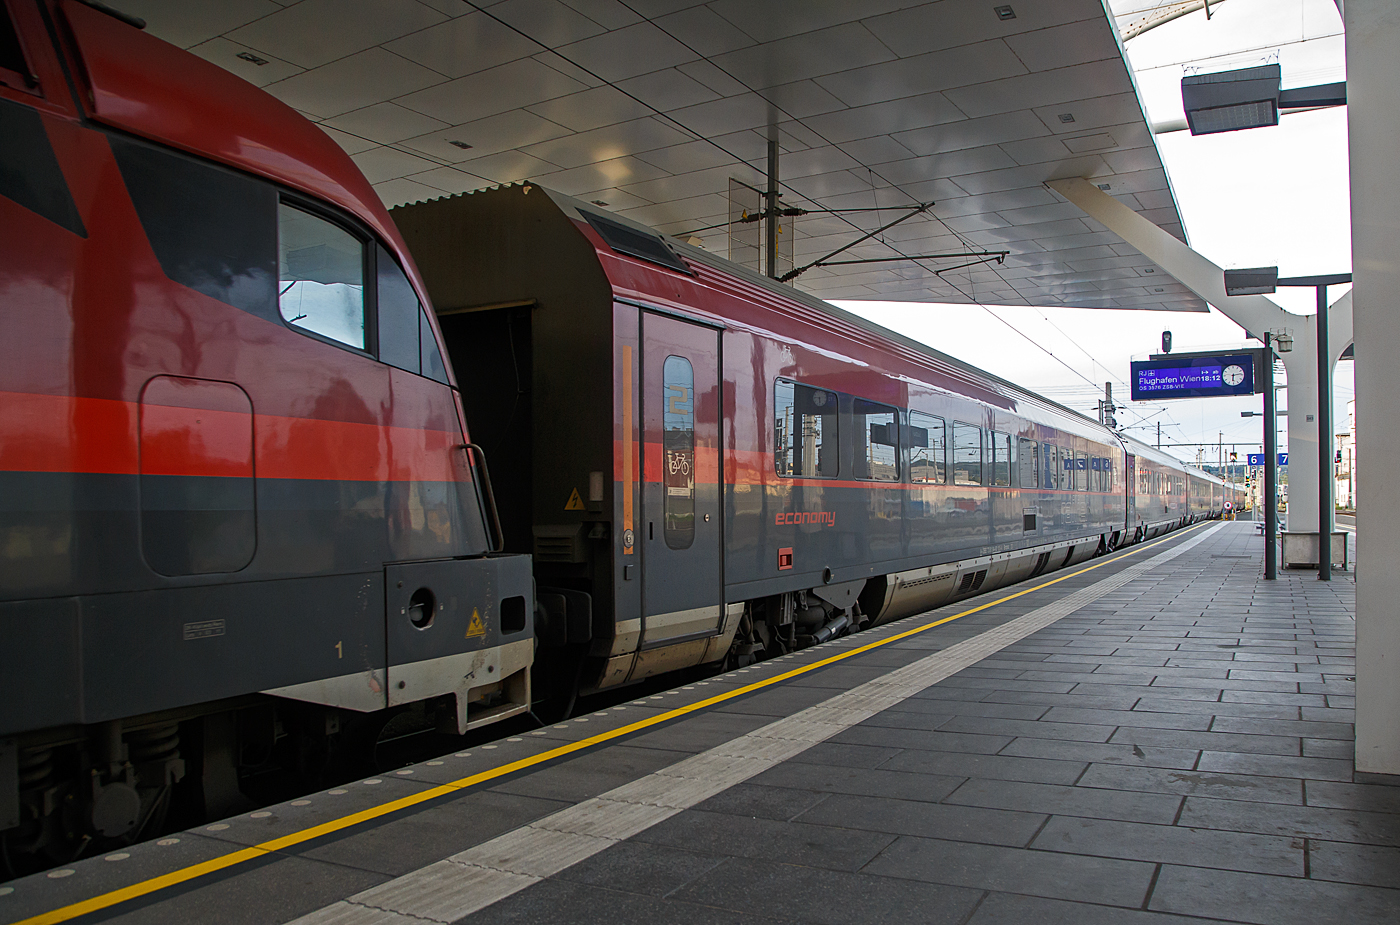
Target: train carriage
710, 464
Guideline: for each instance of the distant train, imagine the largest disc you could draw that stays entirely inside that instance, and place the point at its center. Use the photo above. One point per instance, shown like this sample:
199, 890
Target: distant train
245, 535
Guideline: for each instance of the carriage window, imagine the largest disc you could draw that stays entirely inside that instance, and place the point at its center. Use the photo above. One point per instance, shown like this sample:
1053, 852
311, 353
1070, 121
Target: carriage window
321, 270
678, 447
877, 441
1052, 466
967, 454
1028, 459
1081, 471
804, 431
1001, 459
928, 461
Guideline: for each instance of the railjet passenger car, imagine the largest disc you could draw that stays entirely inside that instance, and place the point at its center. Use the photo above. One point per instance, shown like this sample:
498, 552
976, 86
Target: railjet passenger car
706, 464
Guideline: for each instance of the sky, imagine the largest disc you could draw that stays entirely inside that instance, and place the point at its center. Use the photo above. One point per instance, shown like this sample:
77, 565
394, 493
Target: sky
1264, 197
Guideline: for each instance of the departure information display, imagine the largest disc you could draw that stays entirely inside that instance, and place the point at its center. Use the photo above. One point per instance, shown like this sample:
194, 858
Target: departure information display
1194, 376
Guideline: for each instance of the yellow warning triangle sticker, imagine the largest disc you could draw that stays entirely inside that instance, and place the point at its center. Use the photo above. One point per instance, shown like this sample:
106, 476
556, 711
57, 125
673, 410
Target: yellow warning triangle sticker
477, 627
575, 502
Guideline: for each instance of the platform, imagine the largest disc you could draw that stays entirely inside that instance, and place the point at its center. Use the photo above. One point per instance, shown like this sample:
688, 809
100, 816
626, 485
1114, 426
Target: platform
1159, 736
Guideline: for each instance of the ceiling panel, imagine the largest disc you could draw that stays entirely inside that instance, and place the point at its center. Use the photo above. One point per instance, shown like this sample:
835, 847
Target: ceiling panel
494, 134
609, 142
486, 93
464, 45
801, 56
549, 22
935, 71
386, 123
667, 90
655, 106
370, 76
316, 32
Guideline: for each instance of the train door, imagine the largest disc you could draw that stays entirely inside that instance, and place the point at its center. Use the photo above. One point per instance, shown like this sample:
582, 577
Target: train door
682, 590
1131, 473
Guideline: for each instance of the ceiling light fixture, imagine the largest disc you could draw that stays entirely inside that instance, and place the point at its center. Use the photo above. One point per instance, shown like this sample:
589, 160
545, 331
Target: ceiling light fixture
459, 144
251, 58
1004, 12
1066, 117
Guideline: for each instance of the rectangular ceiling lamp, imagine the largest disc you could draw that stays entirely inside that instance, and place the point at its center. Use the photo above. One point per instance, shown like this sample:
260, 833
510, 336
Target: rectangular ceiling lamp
1231, 100
1254, 281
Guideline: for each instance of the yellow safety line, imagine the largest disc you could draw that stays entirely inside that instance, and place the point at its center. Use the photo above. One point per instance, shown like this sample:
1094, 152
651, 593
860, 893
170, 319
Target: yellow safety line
185, 874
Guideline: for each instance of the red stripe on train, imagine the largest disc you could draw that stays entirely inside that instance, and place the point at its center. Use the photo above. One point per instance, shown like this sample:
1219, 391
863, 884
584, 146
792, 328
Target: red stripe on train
55, 433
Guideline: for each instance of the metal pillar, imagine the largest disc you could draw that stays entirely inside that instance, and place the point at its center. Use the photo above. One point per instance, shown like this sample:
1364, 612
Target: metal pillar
1325, 507
1270, 458
770, 209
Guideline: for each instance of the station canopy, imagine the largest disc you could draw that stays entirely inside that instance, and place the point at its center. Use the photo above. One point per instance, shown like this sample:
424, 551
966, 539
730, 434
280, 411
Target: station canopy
662, 110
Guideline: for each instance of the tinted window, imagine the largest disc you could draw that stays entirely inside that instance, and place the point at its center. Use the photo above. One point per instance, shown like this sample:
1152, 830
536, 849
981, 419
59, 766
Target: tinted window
928, 440
11, 55
398, 315
433, 366
1081, 471
678, 447
212, 230
804, 431
1001, 459
321, 273
1028, 474
876, 431
967, 454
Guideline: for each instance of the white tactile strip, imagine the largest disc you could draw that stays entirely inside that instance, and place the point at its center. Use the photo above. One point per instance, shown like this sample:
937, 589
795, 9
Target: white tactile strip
484, 874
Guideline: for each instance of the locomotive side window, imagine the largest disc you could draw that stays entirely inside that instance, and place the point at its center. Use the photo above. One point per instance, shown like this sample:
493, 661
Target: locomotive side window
928, 437
967, 454
1001, 459
211, 229
321, 269
11, 53
1029, 459
397, 312
804, 431
433, 366
678, 451
876, 429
